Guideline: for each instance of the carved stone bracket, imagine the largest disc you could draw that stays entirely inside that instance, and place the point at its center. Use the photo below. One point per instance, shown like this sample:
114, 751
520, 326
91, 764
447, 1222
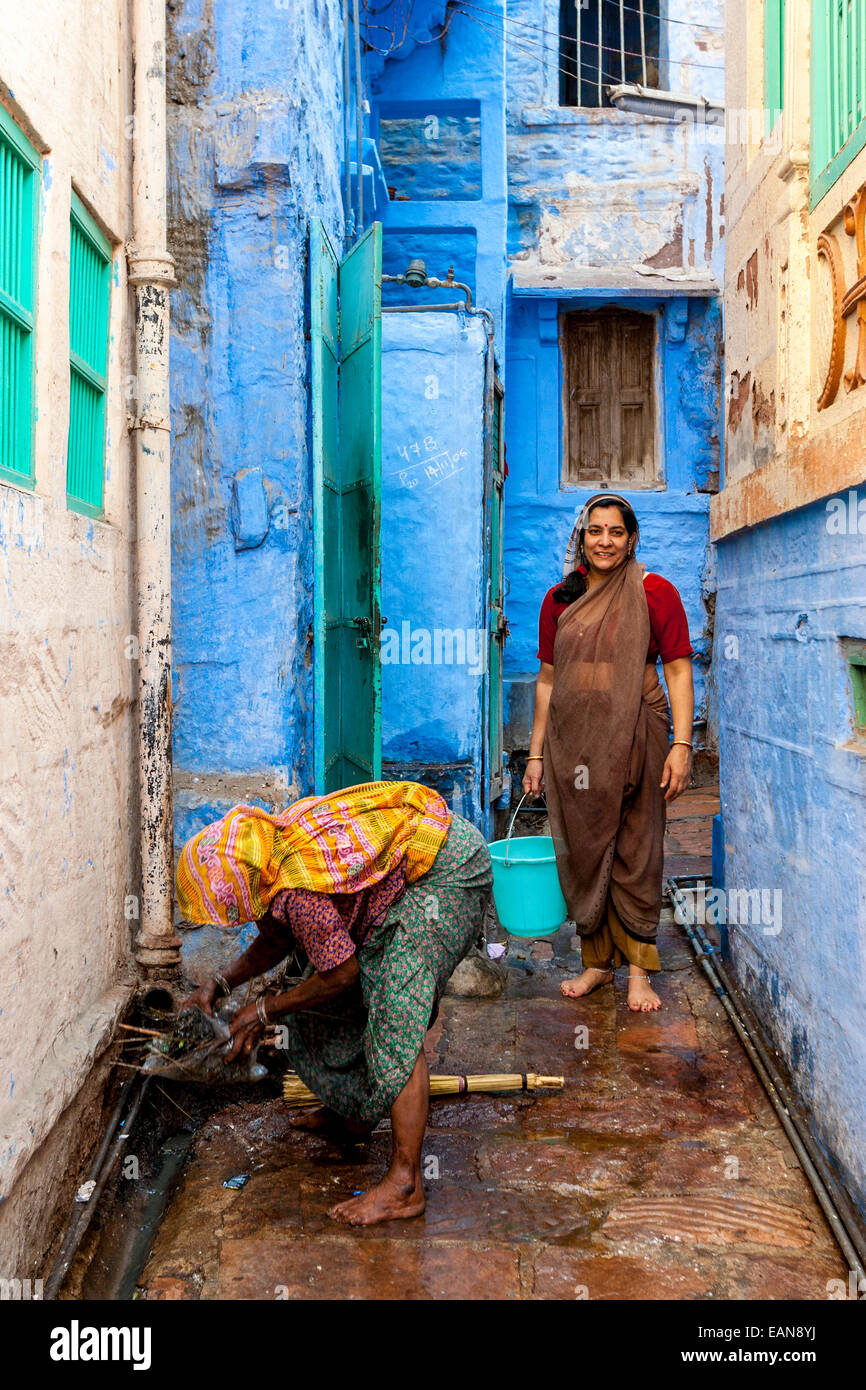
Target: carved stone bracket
829, 251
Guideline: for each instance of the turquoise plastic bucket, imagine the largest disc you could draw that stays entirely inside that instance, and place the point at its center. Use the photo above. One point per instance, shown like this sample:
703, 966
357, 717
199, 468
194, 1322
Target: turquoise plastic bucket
526, 887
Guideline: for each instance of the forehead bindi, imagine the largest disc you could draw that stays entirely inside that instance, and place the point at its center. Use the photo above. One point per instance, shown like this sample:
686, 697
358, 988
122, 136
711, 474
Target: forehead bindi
609, 517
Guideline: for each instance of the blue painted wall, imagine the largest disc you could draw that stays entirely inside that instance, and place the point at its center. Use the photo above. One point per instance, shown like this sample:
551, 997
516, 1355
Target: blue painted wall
539, 511
793, 784
255, 135
438, 111
438, 114
433, 562
593, 194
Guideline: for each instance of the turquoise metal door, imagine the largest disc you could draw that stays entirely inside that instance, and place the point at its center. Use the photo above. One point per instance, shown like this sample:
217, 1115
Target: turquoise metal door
346, 342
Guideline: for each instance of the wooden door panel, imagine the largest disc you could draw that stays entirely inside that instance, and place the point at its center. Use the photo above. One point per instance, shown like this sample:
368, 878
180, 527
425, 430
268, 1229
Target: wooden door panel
609, 402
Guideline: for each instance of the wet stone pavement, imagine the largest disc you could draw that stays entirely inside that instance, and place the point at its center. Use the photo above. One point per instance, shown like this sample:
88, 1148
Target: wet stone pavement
659, 1172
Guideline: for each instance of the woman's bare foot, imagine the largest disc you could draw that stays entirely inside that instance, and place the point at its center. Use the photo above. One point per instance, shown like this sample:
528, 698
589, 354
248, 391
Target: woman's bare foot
642, 999
319, 1119
390, 1200
591, 978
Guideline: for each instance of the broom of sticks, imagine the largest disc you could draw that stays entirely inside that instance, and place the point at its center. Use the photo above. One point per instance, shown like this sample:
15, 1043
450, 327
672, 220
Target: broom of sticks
296, 1093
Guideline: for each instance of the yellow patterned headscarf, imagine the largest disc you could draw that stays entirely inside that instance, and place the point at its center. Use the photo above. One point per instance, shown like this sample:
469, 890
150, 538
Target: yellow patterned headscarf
231, 871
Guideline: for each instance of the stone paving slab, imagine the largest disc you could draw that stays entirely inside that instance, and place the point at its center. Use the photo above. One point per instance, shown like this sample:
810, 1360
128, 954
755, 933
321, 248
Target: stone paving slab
659, 1171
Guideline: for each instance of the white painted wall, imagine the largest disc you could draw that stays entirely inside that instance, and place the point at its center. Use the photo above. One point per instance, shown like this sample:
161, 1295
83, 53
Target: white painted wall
68, 833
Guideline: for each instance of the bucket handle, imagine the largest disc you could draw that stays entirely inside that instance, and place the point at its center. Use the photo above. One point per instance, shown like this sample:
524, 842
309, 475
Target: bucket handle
511, 826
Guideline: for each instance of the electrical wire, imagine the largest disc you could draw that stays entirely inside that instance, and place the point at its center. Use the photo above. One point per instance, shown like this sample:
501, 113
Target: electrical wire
570, 38
386, 53
544, 56
386, 29
442, 32
667, 19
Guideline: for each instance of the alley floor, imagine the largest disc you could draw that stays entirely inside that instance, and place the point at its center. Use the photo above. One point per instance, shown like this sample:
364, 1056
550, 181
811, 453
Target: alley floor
658, 1172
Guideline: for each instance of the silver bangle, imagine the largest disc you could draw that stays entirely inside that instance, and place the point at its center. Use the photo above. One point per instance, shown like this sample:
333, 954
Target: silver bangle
223, 983
261, 1010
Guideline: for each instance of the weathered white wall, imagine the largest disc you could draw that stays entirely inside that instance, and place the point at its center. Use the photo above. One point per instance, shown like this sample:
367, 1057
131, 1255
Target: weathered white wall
67, 728
781, 450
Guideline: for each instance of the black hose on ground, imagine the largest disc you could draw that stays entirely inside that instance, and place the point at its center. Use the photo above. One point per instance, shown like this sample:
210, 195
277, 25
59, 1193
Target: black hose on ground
849, 1239
113, 1140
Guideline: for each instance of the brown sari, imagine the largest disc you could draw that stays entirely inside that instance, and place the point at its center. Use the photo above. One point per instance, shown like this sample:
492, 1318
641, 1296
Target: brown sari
604, 753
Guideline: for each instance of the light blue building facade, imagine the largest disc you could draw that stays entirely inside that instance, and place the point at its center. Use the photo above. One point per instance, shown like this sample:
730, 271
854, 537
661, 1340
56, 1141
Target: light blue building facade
536, 213
611, 213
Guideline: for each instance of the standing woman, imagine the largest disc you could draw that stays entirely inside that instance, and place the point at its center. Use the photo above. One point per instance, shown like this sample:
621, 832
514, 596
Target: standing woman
601, 746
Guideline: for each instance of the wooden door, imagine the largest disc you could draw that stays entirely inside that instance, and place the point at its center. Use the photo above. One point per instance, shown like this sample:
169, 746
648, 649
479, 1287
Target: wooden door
609, 397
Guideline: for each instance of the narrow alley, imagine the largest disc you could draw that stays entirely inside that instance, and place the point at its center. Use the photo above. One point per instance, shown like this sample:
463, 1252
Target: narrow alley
433, 643
660, 1171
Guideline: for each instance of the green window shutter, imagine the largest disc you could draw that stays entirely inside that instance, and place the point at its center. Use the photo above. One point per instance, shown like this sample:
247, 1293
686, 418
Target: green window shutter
838, 100
89, 286
774, 60
19, 186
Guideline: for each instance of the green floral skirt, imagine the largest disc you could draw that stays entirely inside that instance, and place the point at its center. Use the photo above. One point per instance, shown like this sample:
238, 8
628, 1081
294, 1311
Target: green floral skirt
358, 1052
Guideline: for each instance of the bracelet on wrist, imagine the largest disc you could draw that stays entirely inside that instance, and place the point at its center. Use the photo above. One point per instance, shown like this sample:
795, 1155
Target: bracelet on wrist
262, 1010
223, 983
535, 758
683, 743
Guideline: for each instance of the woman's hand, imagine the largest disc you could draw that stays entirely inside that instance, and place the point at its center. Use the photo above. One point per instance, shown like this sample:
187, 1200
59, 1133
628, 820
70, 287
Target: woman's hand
677, 772
203, 998
533, 778
246, 1030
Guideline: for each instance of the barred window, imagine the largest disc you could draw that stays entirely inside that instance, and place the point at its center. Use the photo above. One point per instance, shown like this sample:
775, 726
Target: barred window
604, 42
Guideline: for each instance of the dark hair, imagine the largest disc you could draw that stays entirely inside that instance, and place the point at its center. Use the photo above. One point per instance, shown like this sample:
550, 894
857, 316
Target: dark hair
574, 584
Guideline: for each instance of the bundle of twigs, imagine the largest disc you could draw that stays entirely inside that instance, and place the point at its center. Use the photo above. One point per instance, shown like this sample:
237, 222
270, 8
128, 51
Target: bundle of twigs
296, 1093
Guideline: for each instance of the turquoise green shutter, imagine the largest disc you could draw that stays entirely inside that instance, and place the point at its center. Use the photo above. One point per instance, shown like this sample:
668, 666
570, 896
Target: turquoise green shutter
19, 187
774, 60
89, 287
838, 98
497, 609
360, 283
346, 349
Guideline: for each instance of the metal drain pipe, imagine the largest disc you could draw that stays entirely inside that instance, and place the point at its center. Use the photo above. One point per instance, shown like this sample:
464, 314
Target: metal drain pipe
151, 271
849, 1240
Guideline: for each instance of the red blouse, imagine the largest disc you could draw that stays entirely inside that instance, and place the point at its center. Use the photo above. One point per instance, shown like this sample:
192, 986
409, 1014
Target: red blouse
669, 628
329, 927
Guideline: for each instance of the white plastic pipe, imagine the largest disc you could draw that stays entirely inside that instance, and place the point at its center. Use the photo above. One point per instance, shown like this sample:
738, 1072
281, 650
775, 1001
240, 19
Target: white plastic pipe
151, 271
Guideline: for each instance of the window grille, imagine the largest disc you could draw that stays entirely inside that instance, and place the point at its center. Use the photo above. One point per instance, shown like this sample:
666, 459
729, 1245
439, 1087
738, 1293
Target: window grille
19, 184
605, 42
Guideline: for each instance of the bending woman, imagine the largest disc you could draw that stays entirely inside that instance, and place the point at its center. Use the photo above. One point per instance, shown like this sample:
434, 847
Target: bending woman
385, 891
600, 742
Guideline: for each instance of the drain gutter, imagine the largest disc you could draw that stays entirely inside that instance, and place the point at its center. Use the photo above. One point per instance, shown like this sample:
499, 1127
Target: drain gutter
116, 1134
848, 1238
173, 1155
